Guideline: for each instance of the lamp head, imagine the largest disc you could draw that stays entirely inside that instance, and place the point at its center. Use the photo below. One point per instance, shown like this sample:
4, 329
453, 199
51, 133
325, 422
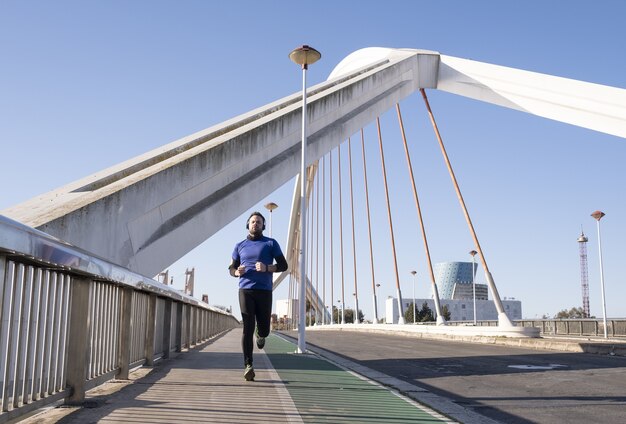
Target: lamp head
598, 215
305, 56
271, 206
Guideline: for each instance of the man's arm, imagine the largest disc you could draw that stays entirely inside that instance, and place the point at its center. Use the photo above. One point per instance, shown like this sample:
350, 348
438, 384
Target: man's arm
280, 266
233, 268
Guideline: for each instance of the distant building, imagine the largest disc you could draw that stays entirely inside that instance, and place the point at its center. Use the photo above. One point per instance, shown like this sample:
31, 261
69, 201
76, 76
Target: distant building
454, 281
449, 274
283, 310
460, 310
465, 291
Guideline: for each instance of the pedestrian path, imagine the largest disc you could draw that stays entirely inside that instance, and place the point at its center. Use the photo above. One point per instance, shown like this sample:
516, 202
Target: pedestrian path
207, 386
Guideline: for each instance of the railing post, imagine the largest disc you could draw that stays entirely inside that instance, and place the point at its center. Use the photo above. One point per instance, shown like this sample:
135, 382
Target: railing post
179, 326
151, 324
167, 328
78, 349
189, 332
126, 314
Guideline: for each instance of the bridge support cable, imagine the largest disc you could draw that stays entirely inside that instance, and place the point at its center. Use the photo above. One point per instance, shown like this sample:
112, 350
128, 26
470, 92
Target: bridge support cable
290, 297
369, 227
343, 299
293, 248
440, 319
294, 239
309, 239
332, 257
312, 278
356, 290
312, 288
393, 243
317, 248
324, 239
503, 319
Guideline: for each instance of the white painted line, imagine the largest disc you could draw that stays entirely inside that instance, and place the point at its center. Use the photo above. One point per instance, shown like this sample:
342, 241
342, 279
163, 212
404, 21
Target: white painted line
538, 367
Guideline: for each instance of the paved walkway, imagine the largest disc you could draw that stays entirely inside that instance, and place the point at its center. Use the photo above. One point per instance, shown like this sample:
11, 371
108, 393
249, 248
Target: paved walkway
207, 385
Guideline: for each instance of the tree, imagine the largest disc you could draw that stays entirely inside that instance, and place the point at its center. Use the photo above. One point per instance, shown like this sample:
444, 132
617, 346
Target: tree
425, 314
422, 315
350, 316
446, 312
575, 312
408, 314
336, 315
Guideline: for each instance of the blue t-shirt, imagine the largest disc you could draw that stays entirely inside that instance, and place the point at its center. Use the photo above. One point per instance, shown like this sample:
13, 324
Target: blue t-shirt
248, 253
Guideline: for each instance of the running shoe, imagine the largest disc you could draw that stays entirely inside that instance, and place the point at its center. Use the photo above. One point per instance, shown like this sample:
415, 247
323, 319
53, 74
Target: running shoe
248, 373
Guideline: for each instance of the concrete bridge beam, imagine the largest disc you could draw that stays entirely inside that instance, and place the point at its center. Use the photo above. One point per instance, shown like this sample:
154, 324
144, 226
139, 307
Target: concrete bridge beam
148, 212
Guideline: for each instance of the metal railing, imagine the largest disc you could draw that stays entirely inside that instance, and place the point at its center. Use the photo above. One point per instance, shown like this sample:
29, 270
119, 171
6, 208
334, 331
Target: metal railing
71, 321
585, 327
578, 327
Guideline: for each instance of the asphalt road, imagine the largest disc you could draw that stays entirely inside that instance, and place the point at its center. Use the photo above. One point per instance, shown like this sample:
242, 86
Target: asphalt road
511, 385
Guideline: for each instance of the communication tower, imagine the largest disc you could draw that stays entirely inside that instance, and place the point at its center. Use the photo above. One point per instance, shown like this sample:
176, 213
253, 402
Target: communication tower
584, 277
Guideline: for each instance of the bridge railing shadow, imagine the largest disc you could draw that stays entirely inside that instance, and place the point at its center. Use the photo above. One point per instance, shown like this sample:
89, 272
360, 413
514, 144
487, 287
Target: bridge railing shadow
71, 321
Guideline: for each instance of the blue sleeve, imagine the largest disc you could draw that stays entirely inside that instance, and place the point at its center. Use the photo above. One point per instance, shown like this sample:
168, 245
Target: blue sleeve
235, 255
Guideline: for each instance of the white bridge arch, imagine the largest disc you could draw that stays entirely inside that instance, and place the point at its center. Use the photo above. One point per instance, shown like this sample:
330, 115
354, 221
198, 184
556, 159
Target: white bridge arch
151, 210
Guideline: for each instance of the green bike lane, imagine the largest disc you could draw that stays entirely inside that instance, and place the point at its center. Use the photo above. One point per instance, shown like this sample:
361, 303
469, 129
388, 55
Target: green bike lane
324, 392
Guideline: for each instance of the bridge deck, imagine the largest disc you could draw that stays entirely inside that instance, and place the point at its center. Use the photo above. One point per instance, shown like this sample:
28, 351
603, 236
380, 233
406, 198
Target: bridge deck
207, 385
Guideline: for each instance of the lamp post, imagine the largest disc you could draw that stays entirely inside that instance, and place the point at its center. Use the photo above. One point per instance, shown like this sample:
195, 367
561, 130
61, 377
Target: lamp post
598, 215
339, 311
473, 253
270, 207
303, 56
414, 309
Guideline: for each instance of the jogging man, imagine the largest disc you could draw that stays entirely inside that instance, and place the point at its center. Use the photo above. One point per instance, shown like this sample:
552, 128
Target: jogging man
253, 262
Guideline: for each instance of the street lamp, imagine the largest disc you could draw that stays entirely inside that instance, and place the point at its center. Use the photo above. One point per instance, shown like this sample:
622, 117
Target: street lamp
303, 56
270, 207
598, 215
473, 253
414, 309
339, 311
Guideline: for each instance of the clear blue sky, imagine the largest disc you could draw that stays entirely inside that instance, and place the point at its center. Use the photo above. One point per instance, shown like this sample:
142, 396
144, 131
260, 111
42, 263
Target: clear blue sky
88, 84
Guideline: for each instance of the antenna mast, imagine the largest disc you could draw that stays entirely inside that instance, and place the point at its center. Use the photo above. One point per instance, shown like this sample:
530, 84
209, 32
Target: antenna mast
584, 277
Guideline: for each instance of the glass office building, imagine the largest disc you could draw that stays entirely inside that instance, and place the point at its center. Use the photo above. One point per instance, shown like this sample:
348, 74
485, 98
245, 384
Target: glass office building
447, 274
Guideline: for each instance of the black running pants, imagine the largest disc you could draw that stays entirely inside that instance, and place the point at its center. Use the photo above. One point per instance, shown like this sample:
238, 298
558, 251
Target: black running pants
256, 311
